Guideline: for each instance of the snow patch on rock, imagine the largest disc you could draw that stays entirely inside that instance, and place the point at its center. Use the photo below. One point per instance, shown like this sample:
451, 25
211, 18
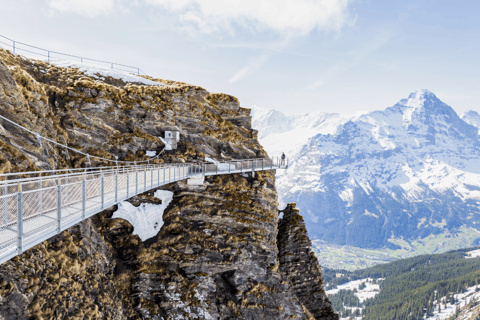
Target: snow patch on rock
147, 219
100, 72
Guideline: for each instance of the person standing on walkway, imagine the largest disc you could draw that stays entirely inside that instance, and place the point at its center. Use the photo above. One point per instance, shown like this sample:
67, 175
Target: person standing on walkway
283, 159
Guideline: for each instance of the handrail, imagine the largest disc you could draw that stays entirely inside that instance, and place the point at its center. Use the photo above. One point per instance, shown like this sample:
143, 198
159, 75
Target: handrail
112, 64
34, 209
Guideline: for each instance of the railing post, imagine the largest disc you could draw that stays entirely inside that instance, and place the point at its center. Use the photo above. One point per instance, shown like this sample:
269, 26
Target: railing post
102, 193
169, 174
263, 163
59, 208
66, 189
5, 205
241, 166
128, 183
145, 180
164, 174
41, 195
84, 197
174, 174
48, 56
253, 166
116, 188
19, 224
228, 167
151, 178
136, 182
158, 176
271, 163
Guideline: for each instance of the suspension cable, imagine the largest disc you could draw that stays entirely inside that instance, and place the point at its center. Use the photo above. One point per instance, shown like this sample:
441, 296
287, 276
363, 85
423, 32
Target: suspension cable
75, 150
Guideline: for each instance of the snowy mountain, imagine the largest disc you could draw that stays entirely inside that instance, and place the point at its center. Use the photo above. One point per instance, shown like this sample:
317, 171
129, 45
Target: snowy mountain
379, 178
471, 117
271, 121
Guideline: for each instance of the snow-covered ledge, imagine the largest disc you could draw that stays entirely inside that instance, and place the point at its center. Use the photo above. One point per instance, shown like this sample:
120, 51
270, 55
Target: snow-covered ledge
147, 219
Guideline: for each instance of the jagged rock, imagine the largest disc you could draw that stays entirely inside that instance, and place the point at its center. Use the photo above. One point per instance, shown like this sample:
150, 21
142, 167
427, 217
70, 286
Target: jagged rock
299, 264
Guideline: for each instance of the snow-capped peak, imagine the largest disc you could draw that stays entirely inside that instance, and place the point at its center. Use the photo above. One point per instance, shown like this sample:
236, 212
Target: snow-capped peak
424, 99
472, 117
422, 94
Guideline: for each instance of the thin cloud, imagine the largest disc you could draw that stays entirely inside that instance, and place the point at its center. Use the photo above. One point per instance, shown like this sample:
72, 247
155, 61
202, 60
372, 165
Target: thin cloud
251, 67
255, 64
298, 17
355, 58
88, 8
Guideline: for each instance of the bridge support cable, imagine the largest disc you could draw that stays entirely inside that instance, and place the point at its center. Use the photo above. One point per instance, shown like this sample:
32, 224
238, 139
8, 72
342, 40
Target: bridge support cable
40, 137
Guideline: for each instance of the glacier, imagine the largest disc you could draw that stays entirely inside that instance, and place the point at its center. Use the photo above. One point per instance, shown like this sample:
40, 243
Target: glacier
365, 179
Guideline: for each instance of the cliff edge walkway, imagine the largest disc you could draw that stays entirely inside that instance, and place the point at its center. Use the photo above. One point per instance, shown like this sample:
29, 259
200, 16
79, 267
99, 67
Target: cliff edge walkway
37, 207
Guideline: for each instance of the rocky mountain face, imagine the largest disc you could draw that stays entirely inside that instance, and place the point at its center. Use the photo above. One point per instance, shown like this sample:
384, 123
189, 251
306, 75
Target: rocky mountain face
299, 264
381, 178
216, 255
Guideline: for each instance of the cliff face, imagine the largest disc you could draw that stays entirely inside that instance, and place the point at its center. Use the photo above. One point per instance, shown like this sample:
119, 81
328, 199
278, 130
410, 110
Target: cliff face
299, 264
215, 257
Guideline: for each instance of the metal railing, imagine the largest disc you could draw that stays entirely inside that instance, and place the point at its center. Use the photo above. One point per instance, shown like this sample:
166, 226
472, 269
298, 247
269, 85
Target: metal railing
37, 205
16, 46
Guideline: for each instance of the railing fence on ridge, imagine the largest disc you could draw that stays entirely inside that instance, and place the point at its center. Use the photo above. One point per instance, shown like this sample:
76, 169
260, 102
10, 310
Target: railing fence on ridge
49, 54
34, 207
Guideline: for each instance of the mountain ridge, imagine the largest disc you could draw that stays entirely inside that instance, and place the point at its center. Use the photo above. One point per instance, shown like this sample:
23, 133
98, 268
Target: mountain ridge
377, 178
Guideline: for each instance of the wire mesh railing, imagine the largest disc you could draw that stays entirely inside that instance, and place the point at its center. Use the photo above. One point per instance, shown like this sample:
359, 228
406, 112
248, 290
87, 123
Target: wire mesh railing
49, 55
34, 207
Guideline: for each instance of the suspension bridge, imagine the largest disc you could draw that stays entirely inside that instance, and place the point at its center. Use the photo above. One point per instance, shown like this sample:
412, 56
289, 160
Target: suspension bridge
37, 207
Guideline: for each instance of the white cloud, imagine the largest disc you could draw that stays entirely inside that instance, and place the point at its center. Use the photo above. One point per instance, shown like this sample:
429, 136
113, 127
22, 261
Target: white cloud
291, 17
89, 8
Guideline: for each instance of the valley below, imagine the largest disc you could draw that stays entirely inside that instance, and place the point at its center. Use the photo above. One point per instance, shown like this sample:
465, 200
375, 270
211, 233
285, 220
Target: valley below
354, 258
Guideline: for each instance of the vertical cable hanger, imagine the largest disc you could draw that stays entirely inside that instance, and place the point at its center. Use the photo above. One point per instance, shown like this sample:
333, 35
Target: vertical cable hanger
43, 150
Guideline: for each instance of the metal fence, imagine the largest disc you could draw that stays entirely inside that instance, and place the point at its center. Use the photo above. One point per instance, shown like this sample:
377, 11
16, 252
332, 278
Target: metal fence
17, 46
37, 205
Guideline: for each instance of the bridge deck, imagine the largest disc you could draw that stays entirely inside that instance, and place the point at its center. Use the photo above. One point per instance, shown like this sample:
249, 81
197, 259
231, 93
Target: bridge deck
35, 209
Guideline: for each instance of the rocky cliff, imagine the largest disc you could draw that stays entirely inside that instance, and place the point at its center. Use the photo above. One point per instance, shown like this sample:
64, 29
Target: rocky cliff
299, 264
216, 255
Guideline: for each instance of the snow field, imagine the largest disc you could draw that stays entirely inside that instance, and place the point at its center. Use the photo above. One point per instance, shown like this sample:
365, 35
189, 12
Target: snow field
462, 299
370, 290
100, 72
472, 254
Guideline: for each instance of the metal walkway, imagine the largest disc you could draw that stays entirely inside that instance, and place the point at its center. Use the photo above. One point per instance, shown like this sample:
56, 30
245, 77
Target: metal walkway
37, 207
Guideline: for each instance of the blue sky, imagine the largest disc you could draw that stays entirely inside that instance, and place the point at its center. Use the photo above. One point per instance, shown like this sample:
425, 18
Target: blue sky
296, 56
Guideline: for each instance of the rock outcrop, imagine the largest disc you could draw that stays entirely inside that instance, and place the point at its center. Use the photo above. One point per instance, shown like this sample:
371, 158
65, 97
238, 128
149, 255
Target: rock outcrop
299, 264
215, 256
